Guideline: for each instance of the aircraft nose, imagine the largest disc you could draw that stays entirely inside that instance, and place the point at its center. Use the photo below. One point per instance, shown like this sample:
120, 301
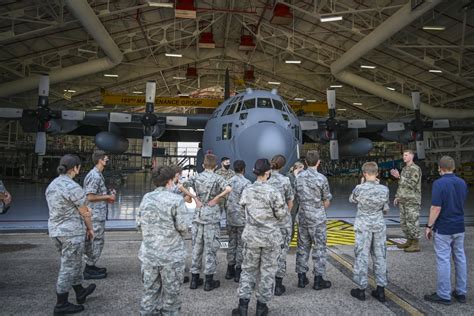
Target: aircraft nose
265, 140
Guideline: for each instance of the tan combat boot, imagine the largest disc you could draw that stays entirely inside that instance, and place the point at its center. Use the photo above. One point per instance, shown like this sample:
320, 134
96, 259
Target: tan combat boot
405, 245
414, 246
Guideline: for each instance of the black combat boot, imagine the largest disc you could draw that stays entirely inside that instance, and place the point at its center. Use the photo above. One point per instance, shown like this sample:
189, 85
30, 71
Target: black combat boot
242, 309
230, 274
210, 283
238, 271
91, 274
195, 281
358, 294
320, 283
185, 279
97, 269
262, 309
302, 280
83, 292
379, 294
279, 287
63, 306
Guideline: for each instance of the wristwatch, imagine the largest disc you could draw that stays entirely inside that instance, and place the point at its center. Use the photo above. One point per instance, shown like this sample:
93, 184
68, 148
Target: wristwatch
428, 226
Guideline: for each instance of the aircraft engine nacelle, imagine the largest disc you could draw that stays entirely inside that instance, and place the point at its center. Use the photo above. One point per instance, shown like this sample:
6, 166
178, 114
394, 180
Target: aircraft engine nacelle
111, 143
358, 147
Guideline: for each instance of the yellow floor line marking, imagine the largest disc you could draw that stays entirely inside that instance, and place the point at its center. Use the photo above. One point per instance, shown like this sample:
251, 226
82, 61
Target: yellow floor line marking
389, 294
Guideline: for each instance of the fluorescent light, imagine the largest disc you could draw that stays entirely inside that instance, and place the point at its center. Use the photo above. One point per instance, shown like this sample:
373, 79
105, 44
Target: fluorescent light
330, 18
435, 71
70, 91
183, 95
82, 50
161, 4
335, 86
137, 92
367, 67
434, 28
357, 103
179, 78
99, 107
111, 75
310, 100
292, 61
342, 109
298, 99
174, 55
274, 82
390, 88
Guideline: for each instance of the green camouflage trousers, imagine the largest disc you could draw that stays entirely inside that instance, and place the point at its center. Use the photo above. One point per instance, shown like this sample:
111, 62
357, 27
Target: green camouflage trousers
306, 237
286, 236
162, 289
410, 219
205, 239
374, 243
94, 247
259, 263
71, 250
234, 253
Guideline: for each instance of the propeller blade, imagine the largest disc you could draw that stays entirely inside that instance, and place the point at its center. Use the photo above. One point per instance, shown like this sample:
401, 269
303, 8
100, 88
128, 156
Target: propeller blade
420, 149
334, 149
441, 124
150, 91
308, 125
357, 123
331, 98
226, 85
40, 144
115, 117
177, 120
43, 90
11, 113
395, 126
147, 147
73, 115
415, 98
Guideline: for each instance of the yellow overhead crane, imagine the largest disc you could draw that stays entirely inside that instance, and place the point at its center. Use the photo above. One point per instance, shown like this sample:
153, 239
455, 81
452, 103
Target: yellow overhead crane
318, 108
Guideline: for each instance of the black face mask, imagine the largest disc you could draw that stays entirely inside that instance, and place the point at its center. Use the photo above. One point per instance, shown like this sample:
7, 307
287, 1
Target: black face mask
226, 167
269, 176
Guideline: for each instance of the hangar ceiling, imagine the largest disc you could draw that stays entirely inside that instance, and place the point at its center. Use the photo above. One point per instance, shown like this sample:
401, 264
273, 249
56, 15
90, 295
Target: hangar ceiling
46, 36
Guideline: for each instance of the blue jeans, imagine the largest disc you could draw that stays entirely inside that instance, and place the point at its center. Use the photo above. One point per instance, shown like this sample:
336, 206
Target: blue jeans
444, 245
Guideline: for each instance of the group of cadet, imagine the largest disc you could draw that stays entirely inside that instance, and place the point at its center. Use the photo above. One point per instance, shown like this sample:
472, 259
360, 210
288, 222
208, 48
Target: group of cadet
260, 218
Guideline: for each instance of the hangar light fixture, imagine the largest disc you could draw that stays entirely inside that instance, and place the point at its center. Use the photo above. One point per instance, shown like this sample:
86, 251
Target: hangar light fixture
310, 100
160, 4
174, 55
179, 78
299, 99
435, 71
183, 95
137, 92
335, 86
70, 91
390, 88
434, 28
330, 18
357, 103
274, 82
367, 67
111, 75
292, 61
342, 109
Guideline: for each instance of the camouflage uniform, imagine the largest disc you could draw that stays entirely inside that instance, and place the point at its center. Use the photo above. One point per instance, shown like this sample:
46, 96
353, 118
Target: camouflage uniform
94, 183
370, 232
283, 185
206, 228
162, 252
2, 190
227, 175
67, 229
236, 220
264, 208
409, 194
312, 188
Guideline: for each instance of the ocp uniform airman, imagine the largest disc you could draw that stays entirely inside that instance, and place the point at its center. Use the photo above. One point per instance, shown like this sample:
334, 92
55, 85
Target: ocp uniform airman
161, 219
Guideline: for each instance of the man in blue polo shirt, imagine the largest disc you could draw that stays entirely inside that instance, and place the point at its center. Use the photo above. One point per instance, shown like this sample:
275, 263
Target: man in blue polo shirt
446, 225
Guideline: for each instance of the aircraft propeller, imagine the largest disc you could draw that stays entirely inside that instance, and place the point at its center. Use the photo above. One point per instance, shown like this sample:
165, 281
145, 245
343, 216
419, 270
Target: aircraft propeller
149, 120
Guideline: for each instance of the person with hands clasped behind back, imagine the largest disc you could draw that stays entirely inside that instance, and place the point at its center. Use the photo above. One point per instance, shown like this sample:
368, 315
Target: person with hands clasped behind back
372, 201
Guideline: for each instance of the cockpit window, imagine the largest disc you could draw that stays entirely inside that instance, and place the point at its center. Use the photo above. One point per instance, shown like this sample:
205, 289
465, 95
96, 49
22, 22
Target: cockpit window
290, 109
278, 105
248, 104
264, 103
226, 109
